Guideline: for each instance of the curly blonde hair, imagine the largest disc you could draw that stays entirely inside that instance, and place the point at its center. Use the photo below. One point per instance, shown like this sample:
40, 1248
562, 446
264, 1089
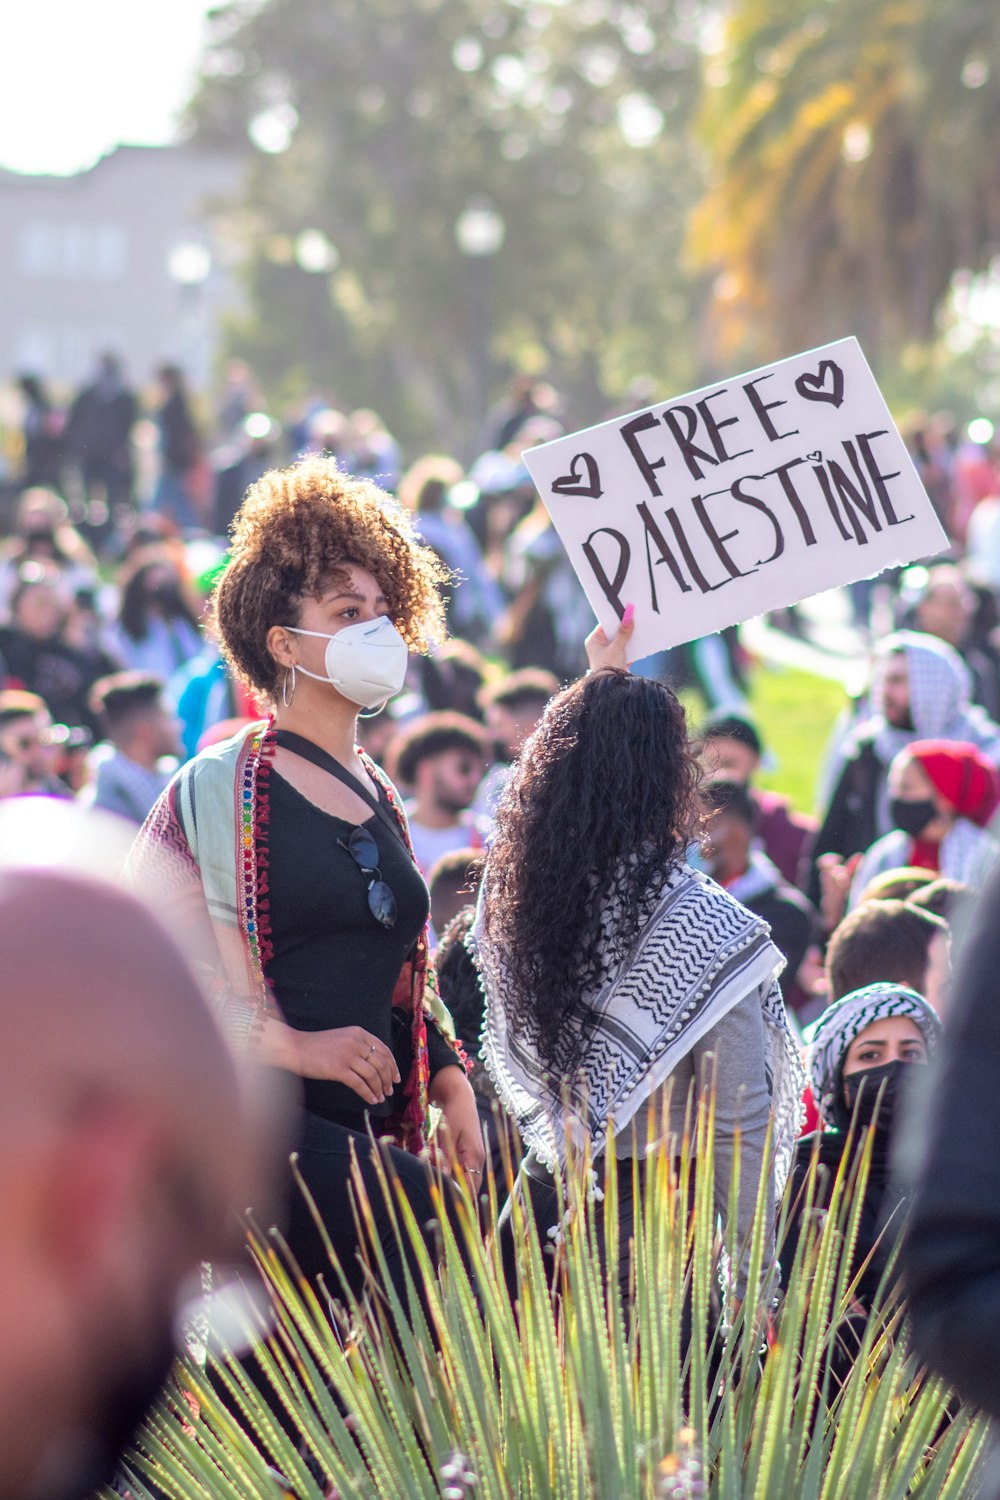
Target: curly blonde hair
299, 529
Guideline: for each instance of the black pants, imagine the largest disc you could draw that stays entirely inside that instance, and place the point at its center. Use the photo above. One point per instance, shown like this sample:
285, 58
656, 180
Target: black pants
538, 1183
326, 1155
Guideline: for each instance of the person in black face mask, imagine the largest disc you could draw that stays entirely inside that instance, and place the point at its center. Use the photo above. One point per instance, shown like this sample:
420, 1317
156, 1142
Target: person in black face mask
860, 1062
942, 796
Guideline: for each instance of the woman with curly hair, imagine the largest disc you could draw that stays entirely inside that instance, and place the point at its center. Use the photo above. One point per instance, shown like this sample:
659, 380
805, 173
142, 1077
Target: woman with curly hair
291, 847
614, 971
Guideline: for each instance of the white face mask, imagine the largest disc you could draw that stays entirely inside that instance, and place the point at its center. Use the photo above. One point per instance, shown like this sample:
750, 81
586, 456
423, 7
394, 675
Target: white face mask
366, 662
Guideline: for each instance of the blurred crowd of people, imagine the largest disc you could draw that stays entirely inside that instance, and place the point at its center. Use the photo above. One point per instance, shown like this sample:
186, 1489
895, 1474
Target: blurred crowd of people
112, 544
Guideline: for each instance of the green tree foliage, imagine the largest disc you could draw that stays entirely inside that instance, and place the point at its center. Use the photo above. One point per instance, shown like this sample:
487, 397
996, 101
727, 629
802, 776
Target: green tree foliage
398, 114
571, 119
854, 166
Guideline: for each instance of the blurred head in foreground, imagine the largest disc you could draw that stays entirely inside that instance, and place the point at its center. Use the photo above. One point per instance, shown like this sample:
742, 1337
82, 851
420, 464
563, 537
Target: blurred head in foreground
126, 1151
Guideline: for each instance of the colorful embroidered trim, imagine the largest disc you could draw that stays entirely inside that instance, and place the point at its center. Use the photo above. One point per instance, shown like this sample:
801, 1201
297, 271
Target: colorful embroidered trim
254, 817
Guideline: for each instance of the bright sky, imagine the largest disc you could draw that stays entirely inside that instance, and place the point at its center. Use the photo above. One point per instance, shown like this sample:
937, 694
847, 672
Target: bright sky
80, 76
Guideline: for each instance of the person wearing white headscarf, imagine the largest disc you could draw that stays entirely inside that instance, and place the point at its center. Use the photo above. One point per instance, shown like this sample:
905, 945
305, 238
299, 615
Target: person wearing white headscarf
921, 690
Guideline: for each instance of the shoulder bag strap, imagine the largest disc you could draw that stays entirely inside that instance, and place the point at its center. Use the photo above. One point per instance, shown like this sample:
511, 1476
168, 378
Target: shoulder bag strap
326, 762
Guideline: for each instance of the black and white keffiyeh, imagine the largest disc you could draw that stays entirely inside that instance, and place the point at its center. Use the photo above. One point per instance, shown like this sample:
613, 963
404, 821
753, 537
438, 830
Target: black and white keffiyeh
846, 1019
698, 954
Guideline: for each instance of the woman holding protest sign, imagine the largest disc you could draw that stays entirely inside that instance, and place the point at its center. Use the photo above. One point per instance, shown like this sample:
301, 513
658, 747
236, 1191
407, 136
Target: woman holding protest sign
616, 976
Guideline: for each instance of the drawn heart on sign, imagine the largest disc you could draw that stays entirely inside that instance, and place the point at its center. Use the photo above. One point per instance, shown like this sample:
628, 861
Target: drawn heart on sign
814, 458
826, 385
574, 484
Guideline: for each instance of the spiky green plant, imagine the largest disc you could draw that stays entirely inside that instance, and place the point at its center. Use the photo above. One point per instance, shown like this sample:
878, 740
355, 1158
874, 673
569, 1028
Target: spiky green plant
582, 1392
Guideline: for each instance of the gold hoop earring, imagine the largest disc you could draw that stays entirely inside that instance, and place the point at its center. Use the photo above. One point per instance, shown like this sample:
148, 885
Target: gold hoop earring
286, 696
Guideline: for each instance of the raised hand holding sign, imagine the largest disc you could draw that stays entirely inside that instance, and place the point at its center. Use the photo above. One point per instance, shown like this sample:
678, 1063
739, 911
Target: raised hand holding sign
740, 498
611, 651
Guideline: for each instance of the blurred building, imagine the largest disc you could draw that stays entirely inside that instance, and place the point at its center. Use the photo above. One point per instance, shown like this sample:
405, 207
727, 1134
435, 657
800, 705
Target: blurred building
124, 256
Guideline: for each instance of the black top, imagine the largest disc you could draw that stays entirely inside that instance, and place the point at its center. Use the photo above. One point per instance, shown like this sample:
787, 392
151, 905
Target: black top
850, 824
880, 1220
333, 963
794, 926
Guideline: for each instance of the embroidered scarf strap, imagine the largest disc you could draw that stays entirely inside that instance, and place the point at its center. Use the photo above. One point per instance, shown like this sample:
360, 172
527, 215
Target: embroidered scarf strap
431, 998
417, 993
197, 854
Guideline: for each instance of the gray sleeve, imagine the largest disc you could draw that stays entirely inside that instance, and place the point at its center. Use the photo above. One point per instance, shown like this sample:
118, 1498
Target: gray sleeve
743, 1101
109, 796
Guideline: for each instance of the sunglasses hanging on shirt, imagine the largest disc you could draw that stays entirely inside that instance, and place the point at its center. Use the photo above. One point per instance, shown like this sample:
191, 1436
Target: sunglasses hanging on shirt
364, 851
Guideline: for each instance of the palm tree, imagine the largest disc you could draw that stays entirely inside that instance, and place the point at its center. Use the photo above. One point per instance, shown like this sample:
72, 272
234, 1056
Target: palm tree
854, 167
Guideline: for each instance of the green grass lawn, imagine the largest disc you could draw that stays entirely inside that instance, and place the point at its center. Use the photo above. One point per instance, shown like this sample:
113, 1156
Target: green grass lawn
794, 712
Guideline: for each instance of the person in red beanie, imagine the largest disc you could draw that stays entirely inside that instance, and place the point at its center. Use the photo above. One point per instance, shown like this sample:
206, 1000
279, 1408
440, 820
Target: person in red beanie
942, 796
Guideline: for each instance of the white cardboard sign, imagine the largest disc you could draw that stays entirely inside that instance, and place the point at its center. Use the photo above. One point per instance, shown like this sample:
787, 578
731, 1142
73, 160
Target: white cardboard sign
739, 498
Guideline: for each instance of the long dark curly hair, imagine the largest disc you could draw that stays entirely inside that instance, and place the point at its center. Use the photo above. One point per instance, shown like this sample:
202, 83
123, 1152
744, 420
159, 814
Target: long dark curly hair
601, 805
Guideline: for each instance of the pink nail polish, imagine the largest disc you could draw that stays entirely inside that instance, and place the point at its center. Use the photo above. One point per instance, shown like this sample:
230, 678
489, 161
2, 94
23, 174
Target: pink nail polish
629, 614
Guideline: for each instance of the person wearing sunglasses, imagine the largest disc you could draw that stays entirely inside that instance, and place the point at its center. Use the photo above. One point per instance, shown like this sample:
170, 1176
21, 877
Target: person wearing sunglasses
26, 742
289, 848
